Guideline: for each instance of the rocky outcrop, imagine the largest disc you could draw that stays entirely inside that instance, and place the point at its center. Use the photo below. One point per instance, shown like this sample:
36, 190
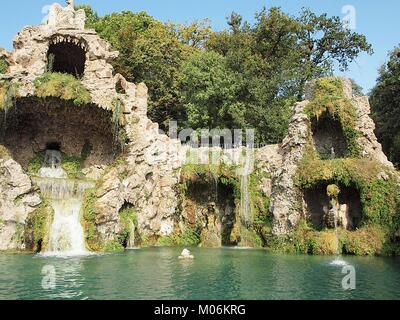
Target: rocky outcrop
134, 164
285, 196
18, 198
287, 199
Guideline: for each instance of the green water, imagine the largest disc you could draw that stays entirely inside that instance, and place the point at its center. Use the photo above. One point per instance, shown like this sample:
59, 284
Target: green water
214, 274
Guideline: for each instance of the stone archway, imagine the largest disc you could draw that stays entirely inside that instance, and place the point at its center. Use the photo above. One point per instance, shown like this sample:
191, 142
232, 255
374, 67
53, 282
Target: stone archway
34, 125
67, 56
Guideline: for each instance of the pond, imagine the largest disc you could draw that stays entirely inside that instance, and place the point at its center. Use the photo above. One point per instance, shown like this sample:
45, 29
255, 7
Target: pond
214, 274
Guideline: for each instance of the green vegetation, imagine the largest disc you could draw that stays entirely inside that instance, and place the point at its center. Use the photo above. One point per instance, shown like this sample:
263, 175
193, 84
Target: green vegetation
113, 246
189, 237
72, 166
377, 186
378, 196
8, 92
88, 220
38, 226
3, 65
385, 106
127, 216
246, 76
329, 99
36, 163
63, 86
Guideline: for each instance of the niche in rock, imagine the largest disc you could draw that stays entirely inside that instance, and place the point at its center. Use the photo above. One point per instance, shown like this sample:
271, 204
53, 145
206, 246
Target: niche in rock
210, 206
320, 212
128, 237
67, 57
329, 138
35, 125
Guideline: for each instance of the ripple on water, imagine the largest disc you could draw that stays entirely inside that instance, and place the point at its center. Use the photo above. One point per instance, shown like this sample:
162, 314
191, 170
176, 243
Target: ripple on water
157, 273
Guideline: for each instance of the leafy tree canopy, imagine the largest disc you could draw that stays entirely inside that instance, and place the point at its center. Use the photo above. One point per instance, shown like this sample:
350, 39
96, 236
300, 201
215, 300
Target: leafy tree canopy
246, 76
385, 104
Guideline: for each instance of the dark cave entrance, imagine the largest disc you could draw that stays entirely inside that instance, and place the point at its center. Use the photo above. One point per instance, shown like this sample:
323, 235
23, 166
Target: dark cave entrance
329, 138
211, 205
317, 205
35, 125
66, 57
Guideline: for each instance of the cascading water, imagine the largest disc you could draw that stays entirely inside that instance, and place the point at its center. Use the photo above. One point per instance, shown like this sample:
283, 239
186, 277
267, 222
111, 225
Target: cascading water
65, 195
245, 209
338, 260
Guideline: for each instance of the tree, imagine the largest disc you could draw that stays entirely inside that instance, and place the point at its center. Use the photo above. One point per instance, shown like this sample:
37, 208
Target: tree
277, 55
150, 52
323, 41
209, 93
195, 34
246, 76
385, 105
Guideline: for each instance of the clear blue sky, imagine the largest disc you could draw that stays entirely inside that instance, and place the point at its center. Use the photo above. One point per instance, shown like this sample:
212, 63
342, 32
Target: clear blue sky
378, 20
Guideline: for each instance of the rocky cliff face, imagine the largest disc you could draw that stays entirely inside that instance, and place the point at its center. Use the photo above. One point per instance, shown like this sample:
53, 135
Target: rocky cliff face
18, 198
134, 165
287, 204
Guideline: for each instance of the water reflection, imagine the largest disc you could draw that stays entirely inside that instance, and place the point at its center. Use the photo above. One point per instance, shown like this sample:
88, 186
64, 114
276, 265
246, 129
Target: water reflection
213, 274
69, 280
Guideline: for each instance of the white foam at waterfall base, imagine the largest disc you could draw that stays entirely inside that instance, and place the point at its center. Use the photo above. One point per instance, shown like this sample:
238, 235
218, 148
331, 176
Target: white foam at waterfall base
339, 262
66, 236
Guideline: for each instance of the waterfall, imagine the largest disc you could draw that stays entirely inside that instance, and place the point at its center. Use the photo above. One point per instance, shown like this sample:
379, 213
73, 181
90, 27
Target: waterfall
116, 118
336, 212
131, 240
245, 209
65, 196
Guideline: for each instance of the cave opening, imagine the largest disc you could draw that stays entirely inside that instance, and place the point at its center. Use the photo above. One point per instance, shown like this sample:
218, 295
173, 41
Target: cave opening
66, 57
211, 205
55, 146
329, 138
35, 125
318, 207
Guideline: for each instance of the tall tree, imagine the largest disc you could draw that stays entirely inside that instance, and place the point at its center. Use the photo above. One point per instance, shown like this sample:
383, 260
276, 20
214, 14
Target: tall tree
150, 52
385, 104
325, 40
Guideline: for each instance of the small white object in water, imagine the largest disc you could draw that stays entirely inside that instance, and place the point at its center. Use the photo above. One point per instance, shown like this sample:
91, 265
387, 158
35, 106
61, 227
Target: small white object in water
338, 262
186, 255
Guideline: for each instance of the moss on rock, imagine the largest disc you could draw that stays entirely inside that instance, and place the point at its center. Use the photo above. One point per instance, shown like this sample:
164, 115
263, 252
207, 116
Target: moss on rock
38, 226
329, 98
63, 86
189, 237
88, 220
8, 92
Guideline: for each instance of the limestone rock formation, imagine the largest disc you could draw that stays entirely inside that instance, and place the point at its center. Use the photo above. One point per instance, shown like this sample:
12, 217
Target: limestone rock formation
18, 198
105, 134
287, 199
